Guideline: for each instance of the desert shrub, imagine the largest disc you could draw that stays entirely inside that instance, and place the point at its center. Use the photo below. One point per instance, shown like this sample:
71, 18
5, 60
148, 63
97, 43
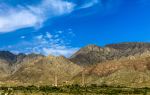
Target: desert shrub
138, 91
50, 89
4, 88
32, 87
94, 85
19, 88
104, 85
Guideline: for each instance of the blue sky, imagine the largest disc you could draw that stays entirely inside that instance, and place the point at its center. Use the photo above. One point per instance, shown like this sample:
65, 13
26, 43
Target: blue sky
61, 27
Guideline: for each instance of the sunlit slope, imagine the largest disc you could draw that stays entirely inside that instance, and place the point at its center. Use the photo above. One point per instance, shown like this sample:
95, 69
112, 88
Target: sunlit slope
43, 71
129, 71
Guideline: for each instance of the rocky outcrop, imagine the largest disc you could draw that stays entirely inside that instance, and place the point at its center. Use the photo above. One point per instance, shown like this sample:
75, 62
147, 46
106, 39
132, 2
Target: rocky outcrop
7, 57
125, 72
93, 54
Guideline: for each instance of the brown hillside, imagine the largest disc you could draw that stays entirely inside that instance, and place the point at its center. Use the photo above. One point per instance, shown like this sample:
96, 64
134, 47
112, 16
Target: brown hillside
130, 71
43, 71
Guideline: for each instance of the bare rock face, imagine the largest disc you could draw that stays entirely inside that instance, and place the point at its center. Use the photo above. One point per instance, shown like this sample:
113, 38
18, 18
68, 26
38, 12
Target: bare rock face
8, 57
94, 54
91, 54
10, 63
11, 59
132, 45
125, 72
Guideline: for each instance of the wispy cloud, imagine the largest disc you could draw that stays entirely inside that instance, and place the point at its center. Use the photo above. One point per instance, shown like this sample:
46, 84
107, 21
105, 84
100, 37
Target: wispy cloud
17, 19
47, 44
52, 44
23, 16
13, 18
89, 4
60, 51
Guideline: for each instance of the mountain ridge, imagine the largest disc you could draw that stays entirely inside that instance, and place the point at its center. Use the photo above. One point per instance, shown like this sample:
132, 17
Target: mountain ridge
93, 54
110, 64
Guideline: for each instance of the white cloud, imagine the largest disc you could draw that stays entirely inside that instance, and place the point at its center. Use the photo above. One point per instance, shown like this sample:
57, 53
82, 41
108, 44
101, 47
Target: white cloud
60, 32
71, 33
46, 44
22, 37
60, 51
39, 37
52, 46
12, 18
89, 4
56, 36
48, 35
18, 19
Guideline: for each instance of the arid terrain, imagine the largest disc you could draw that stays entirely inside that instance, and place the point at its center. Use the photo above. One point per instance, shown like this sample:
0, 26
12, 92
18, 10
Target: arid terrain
123, 65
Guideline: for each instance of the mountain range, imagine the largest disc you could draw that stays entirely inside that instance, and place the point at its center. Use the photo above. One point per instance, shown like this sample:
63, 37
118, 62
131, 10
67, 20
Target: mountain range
126, 64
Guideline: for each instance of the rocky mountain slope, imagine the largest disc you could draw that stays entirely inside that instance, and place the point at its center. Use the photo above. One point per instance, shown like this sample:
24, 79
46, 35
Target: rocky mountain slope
94, 54
7, 57
126, 64
130, 71
43, 70
10, 63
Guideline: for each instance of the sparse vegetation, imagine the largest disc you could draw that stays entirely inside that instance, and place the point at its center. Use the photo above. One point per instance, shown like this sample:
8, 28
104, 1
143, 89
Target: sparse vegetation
73, 90
50, 75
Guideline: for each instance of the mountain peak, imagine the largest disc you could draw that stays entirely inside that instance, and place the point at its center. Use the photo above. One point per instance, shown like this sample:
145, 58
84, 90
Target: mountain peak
92, 54
89, 48
8, 56
92, 46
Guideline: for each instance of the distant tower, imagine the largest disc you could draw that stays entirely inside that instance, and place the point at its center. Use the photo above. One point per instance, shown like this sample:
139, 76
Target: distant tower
56, 69
83, 77
56, 80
